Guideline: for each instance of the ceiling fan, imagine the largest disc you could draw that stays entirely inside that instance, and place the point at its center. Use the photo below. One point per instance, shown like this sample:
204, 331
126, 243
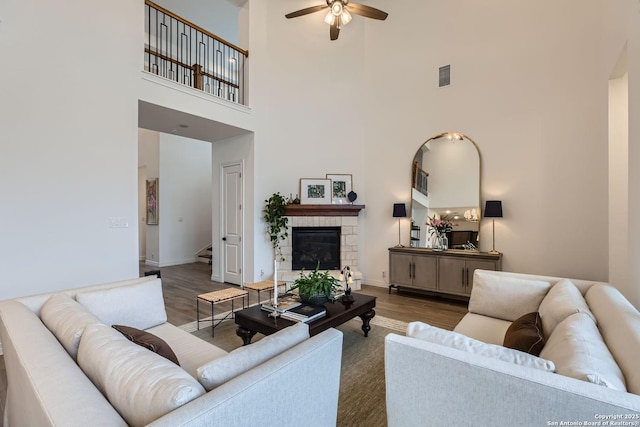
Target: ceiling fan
339, 14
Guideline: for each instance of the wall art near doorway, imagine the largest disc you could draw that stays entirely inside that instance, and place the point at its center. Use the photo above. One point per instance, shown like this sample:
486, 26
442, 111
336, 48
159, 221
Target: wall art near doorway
315, 191
152, 201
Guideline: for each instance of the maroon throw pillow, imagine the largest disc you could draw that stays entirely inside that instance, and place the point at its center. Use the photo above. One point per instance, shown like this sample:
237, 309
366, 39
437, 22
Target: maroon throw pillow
525, 334
148, 341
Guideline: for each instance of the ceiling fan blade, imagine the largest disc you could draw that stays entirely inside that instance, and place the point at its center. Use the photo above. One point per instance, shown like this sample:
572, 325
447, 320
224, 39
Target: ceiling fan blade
306, 11
334, 31
367, 11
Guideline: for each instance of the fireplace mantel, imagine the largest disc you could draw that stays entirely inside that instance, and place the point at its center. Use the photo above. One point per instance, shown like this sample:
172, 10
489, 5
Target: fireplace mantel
323, 210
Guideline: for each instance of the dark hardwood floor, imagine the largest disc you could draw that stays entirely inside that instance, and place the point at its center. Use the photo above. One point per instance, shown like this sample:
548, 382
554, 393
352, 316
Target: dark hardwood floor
182, 283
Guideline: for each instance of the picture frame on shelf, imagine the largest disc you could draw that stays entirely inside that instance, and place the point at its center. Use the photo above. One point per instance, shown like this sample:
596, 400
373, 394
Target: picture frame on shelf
315, 191
341, 186
152, 201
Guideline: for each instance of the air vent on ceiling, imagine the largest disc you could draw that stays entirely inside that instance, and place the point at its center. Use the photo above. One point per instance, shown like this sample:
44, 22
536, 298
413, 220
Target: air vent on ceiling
444, 76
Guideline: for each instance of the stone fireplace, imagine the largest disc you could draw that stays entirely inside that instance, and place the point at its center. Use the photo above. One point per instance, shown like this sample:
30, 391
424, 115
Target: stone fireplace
323, 217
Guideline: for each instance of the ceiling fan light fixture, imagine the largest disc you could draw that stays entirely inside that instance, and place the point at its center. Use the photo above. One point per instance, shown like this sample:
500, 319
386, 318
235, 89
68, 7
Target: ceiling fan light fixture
337, 8
346, 17
330, 18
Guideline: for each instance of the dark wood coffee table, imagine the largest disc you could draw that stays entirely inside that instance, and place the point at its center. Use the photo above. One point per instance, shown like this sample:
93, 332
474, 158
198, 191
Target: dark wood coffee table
253, 320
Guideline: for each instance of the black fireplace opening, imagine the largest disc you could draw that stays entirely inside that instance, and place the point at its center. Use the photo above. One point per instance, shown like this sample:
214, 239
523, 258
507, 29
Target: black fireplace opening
315, 244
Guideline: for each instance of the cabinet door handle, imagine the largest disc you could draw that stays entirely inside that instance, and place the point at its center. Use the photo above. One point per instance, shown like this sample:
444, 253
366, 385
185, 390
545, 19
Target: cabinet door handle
414, 270
468, 278
463, 284
410, 272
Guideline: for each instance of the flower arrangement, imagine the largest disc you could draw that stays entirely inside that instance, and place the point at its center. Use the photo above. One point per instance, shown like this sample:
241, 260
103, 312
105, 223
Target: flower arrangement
440, 226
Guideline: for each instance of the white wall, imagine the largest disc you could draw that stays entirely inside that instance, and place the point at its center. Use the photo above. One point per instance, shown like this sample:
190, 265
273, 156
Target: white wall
622, 35
68, 143
184, 199
307, 99
534, 101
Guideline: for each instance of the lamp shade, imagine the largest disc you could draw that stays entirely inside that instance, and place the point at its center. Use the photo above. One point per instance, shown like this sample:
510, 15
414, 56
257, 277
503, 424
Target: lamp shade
493, 209
399, 210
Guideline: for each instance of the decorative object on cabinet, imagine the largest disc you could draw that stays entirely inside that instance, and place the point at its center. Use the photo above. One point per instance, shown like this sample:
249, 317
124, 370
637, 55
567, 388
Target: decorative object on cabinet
152, 201
447, 273
345, 274
352, 196
493, 210
315, 191
341, 185
439, 227
399, 211
451, 163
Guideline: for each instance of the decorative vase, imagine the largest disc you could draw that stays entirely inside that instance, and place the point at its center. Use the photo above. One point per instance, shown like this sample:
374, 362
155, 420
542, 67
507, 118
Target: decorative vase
440, 242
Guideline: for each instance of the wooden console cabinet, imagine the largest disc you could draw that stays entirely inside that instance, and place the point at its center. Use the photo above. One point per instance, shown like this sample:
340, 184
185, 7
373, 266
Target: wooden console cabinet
447, 272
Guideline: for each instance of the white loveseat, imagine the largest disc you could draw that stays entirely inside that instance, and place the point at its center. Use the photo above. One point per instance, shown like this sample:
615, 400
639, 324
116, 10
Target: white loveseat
131, 385
436, 377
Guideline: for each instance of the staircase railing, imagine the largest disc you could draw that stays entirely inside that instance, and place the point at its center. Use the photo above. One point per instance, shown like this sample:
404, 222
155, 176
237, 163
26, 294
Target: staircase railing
181, 51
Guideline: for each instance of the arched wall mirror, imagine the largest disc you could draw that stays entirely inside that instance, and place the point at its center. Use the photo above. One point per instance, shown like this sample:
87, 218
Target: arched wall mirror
446, 183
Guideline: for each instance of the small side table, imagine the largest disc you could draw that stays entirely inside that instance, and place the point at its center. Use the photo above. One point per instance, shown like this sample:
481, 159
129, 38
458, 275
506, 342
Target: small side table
217, 297
265, 285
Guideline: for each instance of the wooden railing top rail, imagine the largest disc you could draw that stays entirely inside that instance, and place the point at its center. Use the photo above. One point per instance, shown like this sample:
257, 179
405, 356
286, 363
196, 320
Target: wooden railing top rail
191, 24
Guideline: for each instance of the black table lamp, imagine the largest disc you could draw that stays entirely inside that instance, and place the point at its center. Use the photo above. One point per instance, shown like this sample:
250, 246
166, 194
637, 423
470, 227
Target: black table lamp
493, 210
399, 211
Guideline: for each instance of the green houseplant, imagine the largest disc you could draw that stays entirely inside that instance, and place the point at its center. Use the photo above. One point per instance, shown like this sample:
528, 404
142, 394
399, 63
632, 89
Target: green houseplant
277, 222
315, 288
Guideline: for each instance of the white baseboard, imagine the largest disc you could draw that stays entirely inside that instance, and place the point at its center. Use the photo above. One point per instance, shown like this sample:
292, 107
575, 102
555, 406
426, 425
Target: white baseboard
152, 263
379, 283
177, 262
216, 278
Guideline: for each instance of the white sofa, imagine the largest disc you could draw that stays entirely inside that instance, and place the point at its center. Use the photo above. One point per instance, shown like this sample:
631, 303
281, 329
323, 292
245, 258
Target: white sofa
47, 387
437, 377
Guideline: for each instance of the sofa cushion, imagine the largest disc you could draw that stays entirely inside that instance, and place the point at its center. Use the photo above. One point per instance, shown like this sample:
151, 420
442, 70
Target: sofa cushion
505, 297
619, 324
525, 334
429, 333
148, 341
66, 319
562, 300
192, 352
140, 384
578, 351
139, 305
483, 328
223, 369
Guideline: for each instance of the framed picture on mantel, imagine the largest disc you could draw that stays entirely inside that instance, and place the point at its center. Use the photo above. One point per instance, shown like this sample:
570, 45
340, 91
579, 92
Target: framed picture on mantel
315, 191
340, 187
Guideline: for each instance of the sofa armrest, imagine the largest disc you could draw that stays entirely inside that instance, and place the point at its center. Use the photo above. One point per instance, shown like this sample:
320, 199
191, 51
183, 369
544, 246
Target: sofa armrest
299, 386
428, 383
44, 385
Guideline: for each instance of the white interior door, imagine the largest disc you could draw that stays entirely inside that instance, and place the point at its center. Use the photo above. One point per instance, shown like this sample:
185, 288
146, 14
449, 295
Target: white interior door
232, 222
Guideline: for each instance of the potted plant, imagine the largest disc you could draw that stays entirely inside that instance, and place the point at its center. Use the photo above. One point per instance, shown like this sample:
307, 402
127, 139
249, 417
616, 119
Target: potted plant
277, 222
315, 288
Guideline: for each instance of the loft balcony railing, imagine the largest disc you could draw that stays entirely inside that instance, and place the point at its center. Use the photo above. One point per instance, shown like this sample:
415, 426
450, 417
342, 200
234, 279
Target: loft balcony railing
181, 51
